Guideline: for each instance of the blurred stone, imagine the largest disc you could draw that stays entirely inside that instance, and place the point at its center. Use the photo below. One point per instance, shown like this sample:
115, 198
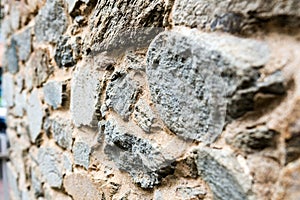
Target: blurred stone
20, 103
10, 58
81, 153
62, 132
23, 43
64, 53
8, 89
191, 193
53, 93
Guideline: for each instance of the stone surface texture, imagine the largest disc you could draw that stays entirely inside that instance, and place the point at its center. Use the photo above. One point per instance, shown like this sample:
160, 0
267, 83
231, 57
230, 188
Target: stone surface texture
161, 99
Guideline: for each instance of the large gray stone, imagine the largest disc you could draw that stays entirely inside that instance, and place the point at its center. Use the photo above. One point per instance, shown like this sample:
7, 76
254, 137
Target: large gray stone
10, 61
137, 156
223, 174
51, 22
81, 153
235, 16
8, 89
35, 114
50, 166
23, 43
53, 93
198, 80
62, 132
121, 94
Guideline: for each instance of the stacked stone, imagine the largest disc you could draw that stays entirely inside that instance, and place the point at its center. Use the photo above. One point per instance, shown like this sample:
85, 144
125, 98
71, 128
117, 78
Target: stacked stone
152, 99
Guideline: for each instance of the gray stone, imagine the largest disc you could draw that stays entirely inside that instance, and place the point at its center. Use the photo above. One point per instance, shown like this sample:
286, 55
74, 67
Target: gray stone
11, 59
223, 174
62, 132
235, 16
67, 162
81, 153
53, 93
198, 80
20, 103
64, 53
189, 193
15, 15
255, 139
8, 90
85, 95
35, 115
51, 22
140, 158
36, 184
50, 168
5, 27
121, 94
144, 115
12, 177
23, 43
37, 69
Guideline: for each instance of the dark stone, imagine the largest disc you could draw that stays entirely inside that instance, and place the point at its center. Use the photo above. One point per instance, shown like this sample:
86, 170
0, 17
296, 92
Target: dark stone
64, 53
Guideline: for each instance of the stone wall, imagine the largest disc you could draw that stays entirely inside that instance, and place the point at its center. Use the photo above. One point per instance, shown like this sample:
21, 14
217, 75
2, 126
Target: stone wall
162, 99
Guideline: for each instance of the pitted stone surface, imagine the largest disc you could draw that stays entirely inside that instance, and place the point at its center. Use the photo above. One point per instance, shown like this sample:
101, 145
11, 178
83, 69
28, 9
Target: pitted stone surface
51, 22
53, 93
48, 160
137, 156
81, 153
191, 75
35, 115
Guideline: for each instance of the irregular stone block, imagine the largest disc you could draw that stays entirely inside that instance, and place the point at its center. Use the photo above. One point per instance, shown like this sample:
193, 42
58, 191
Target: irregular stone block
234, 16
185, 192
140, 158
23, 43
37, 69
85, 95
8, 89
64, 53
80, 187
121, 94
35, 115
36, 184
20, 102
81, 153
62, 132
53, 93
11, 58
198, 80
255, 139
50, 167
51, 22
67, 162
223, 174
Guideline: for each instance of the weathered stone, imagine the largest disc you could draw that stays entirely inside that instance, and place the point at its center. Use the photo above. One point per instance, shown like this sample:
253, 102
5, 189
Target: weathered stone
197, 80
223, 174
35, 115
81, 187
62, 132
20, 103
85, 92
255, 139
144, 115
11, 59
51, 22
53, 93
81, 153
8, 90
137, 156
36, 184
234, 16
64, 53
67, 162
23, 43
116, 97
37, 69
190, 193
125, 24
48, 159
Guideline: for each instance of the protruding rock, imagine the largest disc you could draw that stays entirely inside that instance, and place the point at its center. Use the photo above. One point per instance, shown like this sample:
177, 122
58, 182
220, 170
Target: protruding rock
64, 53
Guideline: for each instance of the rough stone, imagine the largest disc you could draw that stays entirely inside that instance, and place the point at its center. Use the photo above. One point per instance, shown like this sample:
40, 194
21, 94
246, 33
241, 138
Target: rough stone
122, 102
37, 69
51, 22
234, 16
255, 139
11, 59
140, 158
81, 153
81, 187
85, 92
23, 43
144, 115
223, 174
190, 193
8, 89
62, 132
35, 115
20, 103
64, 53
197, 81
53, 93
67, 162
48, 160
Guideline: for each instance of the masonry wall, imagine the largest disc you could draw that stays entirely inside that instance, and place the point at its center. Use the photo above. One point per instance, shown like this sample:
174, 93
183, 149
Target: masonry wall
162, 99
